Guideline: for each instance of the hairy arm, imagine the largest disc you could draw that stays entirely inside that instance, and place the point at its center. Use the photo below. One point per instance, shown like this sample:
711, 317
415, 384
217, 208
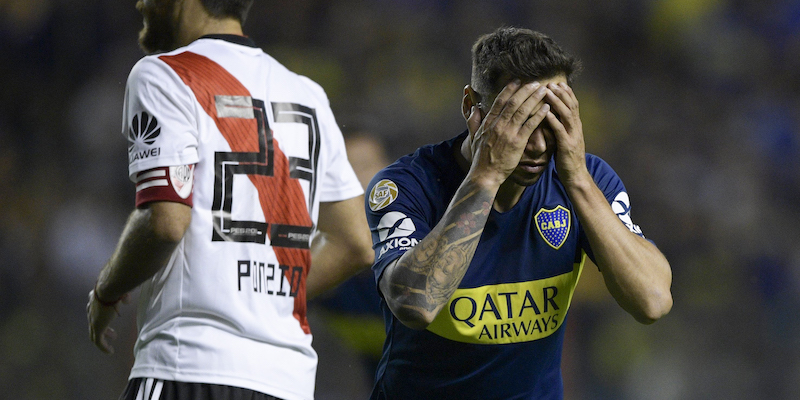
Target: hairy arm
422, 280
145, 246
342, 246
635, 272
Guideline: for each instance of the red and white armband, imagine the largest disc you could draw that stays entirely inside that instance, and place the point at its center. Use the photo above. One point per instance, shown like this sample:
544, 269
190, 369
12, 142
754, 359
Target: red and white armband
165, 184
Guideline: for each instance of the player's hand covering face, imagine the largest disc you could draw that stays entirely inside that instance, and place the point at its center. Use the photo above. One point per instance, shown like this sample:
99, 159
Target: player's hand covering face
498, 140
565, 122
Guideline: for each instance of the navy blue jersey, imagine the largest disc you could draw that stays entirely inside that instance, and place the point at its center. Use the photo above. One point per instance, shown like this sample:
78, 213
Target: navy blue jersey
500, 336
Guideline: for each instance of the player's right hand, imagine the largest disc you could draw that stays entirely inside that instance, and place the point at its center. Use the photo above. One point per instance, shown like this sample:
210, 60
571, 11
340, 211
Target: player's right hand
499, 139
100, 317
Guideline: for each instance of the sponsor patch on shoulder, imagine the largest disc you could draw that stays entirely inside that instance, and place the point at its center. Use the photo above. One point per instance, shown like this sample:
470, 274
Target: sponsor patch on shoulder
553, 225
622, 207
142, 134
382, 194
394, 230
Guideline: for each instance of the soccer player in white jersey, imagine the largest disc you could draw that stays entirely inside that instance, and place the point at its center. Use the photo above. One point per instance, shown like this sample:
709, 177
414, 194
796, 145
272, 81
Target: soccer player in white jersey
246, 206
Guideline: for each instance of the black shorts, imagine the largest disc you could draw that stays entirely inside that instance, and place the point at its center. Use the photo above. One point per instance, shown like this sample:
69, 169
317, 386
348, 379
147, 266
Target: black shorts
157, 389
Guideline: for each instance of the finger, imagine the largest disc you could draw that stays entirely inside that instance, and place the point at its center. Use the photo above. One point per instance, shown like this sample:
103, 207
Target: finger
532, 103
111, 333
570, 92
104, 345
502, 98
559, 107
536, 118
103, 340
567, 96
515, 111
474, 120
559, 131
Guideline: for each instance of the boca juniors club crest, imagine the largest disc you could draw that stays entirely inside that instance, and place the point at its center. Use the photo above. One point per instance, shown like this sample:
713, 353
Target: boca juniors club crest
553, 225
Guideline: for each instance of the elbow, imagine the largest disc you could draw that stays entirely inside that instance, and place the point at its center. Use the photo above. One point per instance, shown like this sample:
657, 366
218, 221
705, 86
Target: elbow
364, 257
413, 319
416, 325
169, 234
169, 221
407, 307
359, 258
655, 308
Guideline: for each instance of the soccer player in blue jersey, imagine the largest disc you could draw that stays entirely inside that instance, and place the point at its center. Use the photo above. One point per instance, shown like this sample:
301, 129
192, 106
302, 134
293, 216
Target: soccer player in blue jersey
480, 240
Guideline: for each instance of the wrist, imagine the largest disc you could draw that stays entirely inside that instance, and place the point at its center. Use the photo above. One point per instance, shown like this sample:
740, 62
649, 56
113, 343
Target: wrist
103, 300
487, 181
578, 182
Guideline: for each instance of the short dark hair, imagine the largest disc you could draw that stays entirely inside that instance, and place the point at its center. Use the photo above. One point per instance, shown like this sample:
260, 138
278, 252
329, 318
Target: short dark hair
228, 8
516, 53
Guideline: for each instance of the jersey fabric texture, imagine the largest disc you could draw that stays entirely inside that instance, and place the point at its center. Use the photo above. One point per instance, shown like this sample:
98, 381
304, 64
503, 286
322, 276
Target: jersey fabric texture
500, 336
230, 306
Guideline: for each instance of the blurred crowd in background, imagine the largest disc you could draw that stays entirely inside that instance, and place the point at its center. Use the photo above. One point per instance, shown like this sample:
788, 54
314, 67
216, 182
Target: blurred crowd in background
695, 103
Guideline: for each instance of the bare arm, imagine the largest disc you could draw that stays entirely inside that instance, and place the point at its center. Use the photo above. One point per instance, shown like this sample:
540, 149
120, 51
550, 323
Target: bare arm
146, 244
422, 280
342, 246
635, 272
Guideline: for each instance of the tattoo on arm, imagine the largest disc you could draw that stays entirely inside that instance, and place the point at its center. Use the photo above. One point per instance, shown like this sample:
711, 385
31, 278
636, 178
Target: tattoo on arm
426, 276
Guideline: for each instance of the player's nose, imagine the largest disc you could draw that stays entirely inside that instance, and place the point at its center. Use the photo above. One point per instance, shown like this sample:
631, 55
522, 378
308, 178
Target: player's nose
537, 143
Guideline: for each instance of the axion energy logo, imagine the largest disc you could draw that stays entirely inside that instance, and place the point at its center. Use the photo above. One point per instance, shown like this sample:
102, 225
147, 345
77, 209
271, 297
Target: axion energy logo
142, 133
394, 230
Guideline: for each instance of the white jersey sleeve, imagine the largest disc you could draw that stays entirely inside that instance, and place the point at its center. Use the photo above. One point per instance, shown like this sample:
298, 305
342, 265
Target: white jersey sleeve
158, 119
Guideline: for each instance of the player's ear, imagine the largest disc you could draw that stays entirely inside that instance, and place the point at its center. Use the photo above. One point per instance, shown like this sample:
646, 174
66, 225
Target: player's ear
469, 99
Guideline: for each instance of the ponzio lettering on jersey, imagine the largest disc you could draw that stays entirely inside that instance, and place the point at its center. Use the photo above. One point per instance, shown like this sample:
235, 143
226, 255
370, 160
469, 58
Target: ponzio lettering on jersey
271, 279
510, 312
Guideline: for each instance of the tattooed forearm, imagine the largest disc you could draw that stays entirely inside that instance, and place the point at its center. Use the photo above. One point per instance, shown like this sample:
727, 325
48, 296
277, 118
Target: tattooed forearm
425, 278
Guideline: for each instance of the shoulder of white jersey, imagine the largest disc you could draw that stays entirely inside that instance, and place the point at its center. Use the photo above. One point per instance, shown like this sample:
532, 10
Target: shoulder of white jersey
152, 70
316, 89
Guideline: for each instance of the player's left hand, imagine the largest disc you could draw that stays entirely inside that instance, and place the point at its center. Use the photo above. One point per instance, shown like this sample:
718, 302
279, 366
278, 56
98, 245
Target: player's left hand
565, 121
100, 317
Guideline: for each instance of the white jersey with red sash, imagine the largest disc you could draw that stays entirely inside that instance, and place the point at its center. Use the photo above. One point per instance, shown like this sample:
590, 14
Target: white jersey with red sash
254, 148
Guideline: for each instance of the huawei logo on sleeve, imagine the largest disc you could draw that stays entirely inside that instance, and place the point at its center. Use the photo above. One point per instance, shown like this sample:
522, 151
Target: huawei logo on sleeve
142, 133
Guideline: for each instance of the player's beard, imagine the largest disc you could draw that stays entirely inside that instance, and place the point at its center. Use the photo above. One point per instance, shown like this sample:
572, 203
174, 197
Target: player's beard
160, 31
